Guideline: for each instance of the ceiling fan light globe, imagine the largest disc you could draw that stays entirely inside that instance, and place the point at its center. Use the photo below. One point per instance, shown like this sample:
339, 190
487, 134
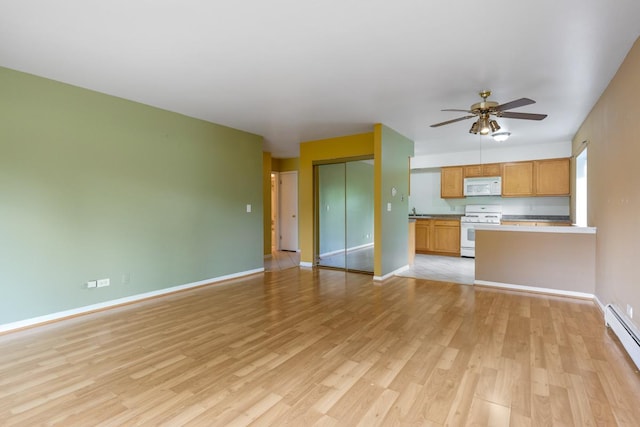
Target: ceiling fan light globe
494, 126
474, 128
501, 136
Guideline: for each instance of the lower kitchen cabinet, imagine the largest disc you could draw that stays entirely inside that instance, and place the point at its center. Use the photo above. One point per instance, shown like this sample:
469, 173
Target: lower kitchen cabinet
438, 236
423, 228
446, 237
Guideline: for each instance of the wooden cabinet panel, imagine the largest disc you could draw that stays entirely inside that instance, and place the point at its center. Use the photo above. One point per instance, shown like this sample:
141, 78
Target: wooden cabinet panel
451, 179
472, 171
517, 179
446, 237
552, 177
423, 227
492, 169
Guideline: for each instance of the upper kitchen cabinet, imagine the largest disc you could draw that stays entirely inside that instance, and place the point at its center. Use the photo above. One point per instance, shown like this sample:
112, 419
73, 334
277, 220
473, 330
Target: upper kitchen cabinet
451, 182
472, 171
517, 179
552, 177
491, 169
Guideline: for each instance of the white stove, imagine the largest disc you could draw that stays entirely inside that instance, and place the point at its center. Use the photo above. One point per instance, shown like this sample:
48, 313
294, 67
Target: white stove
476, 214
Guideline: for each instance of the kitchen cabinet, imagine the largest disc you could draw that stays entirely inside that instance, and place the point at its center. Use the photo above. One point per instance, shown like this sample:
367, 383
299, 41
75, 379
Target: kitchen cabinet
549, 177
451, 182
423, 235
472, 171
490, 169
517, 179
552, 177
438, 236
446, 237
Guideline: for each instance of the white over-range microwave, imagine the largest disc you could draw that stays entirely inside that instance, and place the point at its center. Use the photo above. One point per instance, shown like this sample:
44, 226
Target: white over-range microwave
485, 186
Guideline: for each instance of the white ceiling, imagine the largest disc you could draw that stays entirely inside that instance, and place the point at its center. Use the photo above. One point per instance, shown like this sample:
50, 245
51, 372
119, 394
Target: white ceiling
296, 70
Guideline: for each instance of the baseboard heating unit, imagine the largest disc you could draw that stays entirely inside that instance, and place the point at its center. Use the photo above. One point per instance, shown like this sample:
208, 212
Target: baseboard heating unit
626, 332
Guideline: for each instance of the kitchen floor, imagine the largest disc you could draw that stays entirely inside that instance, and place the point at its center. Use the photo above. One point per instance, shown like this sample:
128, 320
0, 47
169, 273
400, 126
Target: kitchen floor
442, 269
430, 267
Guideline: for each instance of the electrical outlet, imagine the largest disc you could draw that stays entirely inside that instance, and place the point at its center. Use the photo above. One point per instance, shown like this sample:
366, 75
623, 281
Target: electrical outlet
248, 208
126, 278
103, 282
92, 284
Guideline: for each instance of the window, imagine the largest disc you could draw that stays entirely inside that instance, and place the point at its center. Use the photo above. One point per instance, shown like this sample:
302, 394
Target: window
581, 189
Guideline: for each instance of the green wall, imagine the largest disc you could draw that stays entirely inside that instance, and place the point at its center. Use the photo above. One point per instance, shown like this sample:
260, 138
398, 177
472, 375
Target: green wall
392, 152
93, 186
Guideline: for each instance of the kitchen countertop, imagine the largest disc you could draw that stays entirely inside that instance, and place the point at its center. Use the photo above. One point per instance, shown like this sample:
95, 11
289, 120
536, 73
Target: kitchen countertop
535, 229
435, 216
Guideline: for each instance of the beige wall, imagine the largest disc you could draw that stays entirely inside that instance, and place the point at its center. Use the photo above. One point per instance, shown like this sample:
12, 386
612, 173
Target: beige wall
556, 261
612, 132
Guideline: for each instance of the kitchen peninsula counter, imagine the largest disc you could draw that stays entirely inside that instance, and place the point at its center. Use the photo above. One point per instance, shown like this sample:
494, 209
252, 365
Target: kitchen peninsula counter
557, 260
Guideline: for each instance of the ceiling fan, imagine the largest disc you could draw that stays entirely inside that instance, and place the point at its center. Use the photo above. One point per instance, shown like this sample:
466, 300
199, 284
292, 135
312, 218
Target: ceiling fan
485, 109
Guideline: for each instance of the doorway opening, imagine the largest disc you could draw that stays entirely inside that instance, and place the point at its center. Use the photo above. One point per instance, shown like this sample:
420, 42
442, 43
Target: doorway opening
344, 215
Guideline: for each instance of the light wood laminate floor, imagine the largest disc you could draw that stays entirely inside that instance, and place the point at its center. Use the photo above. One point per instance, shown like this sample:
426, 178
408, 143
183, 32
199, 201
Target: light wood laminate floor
305, 347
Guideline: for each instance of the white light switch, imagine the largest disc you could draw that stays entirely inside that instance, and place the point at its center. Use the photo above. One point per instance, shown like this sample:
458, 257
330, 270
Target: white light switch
388, 207
92, 284
248, 208
103, 282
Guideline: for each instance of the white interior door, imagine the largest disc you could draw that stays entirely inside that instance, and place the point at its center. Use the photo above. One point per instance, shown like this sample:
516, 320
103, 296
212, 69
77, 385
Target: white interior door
275, 195
288, 211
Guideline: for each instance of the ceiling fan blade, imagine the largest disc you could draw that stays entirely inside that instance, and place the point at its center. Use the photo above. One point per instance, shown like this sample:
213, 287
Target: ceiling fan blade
515, 104
454, 109
526, 116
451, 121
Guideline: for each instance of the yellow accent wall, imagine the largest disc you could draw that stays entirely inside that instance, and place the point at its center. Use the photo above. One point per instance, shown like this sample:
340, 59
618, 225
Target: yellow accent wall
320, 151
285, 165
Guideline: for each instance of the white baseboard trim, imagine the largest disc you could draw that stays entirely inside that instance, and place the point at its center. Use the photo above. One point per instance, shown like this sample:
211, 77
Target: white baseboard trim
306, 264
573, 294
393, 273
20, 324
